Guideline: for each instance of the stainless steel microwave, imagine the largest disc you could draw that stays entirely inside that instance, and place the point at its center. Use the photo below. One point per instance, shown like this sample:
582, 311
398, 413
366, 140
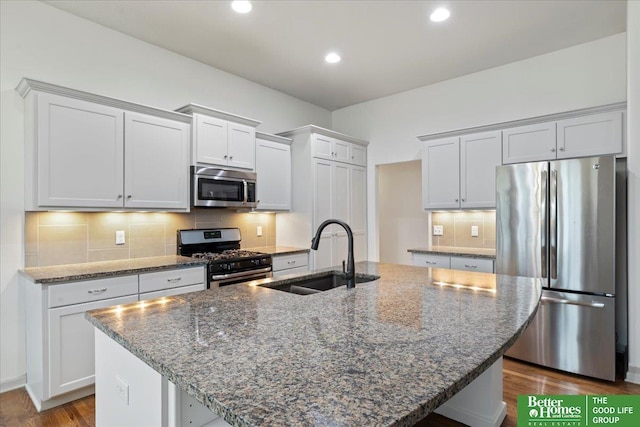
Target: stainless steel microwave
222, 188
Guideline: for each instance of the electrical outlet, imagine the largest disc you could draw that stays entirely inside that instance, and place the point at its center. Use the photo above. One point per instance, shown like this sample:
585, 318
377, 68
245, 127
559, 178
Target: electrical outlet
259, 230
474, 231
122, 389
120, 237
438, 230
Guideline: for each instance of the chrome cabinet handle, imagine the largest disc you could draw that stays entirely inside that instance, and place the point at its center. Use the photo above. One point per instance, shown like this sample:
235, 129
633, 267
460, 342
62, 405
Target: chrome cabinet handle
291, 262
97, 291
553, 150
431, 262
471, 266
462, 200
174, 280
230, 157
456, 200
225, 156
561, 148
119, 197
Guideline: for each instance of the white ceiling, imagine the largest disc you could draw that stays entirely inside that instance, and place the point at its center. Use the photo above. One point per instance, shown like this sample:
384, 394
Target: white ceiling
386, 46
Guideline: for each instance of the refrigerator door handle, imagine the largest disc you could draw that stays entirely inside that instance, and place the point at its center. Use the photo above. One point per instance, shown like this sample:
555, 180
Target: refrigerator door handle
553, 225
544, 219
591, 304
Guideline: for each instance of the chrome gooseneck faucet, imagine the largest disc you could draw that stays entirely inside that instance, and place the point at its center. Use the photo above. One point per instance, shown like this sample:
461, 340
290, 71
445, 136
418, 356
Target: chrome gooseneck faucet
351, 267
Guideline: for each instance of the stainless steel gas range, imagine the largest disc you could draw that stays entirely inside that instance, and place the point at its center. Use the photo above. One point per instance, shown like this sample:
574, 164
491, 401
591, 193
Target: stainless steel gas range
228, 264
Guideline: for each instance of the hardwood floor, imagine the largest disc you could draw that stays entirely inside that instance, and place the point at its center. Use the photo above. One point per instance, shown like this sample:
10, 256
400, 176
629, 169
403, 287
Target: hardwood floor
16, 408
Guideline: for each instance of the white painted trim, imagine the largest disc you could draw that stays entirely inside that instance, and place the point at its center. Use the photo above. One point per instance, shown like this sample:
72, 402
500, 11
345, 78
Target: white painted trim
43, 405
472, 419
322, 131
13, 383
27, 85
633, 375
526, 122
207, 111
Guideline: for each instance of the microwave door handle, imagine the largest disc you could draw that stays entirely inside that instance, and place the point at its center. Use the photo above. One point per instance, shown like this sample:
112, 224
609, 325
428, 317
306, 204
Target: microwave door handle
246, 191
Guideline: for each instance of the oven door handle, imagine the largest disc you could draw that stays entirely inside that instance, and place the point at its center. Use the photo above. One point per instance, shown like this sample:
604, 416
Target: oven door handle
241, 274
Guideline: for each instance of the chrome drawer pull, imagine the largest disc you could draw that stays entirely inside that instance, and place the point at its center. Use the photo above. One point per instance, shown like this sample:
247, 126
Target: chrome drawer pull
431, 262
97, 291
471, 266
291, 262
176, 280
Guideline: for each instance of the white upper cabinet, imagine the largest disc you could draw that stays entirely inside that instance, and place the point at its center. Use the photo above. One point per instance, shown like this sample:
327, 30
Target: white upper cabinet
441, 174
459, 172
532, 143
273, 167
580, 136
479, 156
78, 154
591, 135
156, 152
222, 139
330, 148
91, 153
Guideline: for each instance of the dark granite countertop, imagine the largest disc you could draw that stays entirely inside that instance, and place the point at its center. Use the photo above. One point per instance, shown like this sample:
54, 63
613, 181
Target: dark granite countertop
456, 251
386, 353
279, 250
98, 270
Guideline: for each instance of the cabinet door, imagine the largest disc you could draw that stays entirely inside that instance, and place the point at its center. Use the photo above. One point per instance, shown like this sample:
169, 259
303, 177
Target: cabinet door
210, 140
242, 146
358, 155
592, 135
322, 204
340, 194
441, 174
273, 166
322, 146
341, 151
479, 156
358, 211
79, 153
156, 162
71, 345
531, 143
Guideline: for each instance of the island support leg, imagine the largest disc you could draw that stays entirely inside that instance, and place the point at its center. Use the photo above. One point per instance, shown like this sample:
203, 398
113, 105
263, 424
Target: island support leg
480, 403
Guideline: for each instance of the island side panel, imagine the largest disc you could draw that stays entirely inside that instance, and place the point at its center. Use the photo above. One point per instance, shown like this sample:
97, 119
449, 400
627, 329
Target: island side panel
128, 392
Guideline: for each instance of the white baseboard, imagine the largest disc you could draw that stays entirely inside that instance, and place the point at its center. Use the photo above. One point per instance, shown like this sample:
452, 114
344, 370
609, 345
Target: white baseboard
472, 418
13, 383
633, 374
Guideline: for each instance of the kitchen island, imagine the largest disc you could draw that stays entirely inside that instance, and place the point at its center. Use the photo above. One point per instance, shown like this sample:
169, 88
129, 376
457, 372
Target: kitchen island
388, 352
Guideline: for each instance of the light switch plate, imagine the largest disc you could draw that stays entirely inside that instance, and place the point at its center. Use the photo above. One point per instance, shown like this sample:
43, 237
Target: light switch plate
259, 230
474, 231
120, 237
438, 230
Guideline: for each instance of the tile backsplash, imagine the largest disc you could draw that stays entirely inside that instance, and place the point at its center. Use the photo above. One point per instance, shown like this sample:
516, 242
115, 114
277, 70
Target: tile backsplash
457, 229
53, 238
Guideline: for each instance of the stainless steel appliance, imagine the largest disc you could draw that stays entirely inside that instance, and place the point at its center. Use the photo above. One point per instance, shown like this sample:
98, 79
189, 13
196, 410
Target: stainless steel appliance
228, 264
222, 188
557, 220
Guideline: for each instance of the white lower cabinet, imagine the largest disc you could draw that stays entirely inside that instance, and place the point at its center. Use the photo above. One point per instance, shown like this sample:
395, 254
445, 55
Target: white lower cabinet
482, 265
60, 341
290, 263
71, 351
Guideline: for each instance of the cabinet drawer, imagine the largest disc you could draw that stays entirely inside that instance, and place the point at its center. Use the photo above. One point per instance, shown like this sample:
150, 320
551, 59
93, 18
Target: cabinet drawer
472, 264
294, 270
92, 290
172, 292
285, 262
168, 279
434, 261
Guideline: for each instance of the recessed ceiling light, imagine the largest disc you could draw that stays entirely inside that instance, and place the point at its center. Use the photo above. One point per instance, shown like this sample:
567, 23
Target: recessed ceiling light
332, 58
241, 6
440, 14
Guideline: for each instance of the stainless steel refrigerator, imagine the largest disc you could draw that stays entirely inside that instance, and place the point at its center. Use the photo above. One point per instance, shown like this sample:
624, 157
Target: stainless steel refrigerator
557, 220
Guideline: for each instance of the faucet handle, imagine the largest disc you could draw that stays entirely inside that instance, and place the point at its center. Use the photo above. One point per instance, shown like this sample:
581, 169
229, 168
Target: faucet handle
344, 269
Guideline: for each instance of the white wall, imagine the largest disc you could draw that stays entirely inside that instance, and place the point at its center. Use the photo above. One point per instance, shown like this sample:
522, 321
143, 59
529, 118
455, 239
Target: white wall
46, 44
633, 186
582, 76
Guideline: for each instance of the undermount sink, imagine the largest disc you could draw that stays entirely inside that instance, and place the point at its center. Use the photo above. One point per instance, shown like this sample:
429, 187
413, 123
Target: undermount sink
305, 285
